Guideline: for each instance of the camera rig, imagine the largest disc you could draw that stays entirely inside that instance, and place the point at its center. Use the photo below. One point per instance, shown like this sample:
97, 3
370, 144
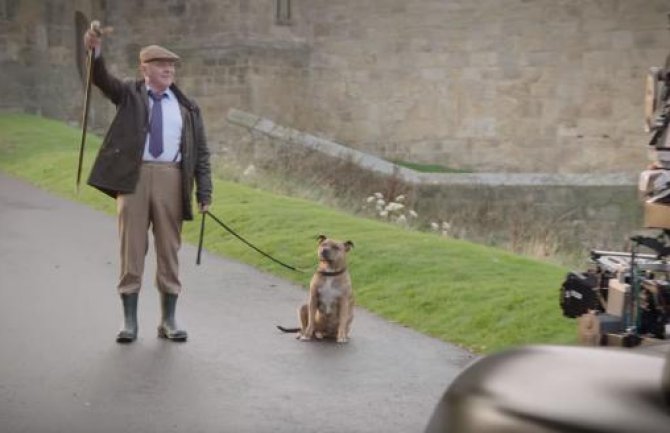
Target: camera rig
623, 298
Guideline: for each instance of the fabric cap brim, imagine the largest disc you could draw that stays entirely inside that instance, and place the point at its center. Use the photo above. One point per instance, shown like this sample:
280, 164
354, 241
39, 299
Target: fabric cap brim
153, 53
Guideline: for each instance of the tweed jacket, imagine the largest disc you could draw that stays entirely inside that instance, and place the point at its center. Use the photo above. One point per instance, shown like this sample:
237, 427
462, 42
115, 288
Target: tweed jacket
116, 168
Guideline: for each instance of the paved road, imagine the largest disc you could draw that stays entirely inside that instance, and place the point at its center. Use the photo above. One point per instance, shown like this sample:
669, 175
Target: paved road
61, 371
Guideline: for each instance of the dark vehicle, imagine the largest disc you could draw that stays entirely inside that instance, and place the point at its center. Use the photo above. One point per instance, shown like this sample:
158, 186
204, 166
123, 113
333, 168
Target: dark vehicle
550, 389
622, 301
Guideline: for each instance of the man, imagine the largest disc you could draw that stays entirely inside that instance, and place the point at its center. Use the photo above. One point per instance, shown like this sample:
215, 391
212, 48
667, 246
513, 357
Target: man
153, 153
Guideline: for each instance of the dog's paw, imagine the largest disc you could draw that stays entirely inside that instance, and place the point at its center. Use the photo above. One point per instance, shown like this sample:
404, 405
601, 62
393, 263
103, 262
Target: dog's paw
342, 340
305, 338
318, 335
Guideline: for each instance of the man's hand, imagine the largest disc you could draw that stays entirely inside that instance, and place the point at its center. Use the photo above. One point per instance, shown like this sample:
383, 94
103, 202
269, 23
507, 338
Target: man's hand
203, 207
92, 39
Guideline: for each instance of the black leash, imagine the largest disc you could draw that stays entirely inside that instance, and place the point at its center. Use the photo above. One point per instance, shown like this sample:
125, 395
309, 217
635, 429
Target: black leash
201, 238
232, 232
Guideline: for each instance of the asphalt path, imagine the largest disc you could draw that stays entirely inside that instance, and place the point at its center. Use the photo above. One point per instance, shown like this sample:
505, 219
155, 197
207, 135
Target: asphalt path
62, 371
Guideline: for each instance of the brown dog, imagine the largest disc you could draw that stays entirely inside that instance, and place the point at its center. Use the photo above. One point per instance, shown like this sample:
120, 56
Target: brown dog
330, 308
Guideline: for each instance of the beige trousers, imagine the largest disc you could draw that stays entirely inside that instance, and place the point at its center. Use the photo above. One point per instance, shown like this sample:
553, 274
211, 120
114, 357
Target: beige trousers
156, 202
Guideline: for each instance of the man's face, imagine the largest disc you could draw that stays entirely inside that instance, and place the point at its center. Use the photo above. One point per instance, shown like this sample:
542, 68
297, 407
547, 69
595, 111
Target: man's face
158, 74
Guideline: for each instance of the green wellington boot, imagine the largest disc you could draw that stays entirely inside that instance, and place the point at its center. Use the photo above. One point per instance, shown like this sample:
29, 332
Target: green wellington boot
168, 327
128, 333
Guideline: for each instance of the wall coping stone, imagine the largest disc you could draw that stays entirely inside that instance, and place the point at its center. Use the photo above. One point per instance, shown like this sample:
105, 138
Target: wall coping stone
384, 167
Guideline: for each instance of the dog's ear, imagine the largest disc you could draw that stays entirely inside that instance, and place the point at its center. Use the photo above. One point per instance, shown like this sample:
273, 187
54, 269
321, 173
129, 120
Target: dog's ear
321, 238
348, 245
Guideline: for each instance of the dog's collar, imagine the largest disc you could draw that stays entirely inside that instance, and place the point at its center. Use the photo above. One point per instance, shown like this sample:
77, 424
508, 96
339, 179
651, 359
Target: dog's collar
331, 274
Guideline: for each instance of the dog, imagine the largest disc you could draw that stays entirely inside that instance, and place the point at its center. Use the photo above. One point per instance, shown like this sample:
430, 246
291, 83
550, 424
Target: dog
329, 310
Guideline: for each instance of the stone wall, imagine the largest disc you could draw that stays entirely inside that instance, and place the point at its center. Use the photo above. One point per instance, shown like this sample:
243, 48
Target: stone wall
491, 85
557, 215
37, 69
488, 85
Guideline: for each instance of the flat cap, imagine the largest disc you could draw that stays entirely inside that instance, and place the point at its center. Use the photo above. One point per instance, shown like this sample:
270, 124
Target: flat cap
156, 52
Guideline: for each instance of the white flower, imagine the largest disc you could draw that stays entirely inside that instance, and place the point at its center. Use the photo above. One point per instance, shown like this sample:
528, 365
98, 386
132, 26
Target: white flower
370, 199
393, 206
413, 214
379, 195
434, 226
383, 214
401, 219
445, 225
249, 171
380, 203
400, 198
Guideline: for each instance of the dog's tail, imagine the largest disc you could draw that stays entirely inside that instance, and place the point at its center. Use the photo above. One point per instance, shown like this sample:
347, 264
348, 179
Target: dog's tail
288, 330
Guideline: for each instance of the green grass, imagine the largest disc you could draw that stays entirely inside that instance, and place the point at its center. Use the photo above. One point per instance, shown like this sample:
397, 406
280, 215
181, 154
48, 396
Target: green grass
481, 298
429, 168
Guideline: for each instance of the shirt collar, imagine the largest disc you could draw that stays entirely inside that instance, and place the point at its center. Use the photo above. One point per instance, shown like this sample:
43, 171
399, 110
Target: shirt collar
168, 92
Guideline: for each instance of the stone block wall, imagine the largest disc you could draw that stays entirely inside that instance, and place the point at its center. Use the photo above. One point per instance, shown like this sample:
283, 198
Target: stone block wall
37, 69
562, 216
487, 85
490, 85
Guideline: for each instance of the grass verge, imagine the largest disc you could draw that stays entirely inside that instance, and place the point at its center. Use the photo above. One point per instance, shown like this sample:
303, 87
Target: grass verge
429, 168
481, 298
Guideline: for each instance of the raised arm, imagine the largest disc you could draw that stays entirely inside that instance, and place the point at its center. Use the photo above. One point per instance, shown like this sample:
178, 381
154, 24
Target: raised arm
110, 86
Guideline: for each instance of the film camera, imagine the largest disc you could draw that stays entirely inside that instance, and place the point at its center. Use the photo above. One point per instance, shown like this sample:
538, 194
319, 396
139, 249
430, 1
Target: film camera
622, 298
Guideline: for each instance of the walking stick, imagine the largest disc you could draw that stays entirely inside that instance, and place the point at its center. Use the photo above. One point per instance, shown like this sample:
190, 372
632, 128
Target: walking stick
95, 26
